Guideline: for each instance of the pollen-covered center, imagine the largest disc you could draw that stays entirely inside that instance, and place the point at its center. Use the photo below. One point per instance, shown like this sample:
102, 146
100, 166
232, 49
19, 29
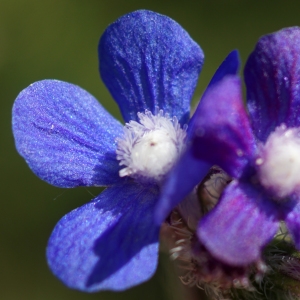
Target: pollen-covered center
279, 162
150, 147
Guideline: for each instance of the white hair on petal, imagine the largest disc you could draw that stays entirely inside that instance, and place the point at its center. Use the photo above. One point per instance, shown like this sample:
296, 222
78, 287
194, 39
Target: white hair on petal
279, 162
149, 148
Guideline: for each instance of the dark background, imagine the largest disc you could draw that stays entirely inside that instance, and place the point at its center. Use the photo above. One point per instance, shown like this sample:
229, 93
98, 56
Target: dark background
58, 39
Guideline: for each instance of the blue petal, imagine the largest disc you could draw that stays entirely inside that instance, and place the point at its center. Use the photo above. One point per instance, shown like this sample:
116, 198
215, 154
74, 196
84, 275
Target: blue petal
240, 225
65, 135
110, 243
147, 60
229, 66
272, 78
222, 133
187, 173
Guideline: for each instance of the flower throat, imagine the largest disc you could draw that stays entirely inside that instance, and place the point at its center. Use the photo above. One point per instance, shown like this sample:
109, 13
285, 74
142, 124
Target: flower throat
149, 148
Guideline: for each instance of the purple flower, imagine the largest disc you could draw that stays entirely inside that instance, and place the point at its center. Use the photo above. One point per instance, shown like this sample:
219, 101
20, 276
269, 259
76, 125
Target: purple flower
151, 66
260, 151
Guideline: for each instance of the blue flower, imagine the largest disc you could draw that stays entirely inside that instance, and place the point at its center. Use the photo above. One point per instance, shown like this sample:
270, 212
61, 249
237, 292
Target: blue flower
150, 66
260, 151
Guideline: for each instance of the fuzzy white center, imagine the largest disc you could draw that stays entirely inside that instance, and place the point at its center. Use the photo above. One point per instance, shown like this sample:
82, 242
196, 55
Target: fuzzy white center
279, 163
150, 147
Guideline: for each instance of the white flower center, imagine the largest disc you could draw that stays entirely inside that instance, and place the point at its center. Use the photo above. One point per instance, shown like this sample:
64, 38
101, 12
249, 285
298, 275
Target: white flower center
279, 162
150, 147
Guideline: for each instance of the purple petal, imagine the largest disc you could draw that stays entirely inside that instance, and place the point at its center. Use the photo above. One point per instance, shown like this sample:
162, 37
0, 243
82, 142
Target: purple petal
229, 66
292, 220
222, 133
65, 135
110, 243
240, 225
147, 60
272, 76
187, 173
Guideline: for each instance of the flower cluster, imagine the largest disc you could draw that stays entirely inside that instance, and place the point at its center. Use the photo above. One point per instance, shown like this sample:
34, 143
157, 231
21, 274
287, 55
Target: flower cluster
221, 181
258, 151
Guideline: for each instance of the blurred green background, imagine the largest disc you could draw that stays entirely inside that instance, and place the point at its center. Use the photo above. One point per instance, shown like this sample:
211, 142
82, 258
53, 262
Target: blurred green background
58, 39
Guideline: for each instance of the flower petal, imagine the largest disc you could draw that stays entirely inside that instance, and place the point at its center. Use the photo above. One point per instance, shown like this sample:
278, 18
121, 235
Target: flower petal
65, 135
272, 76
239, 226
229, 66
292, 220
222, 133
187, 173
147, 60
110, 243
